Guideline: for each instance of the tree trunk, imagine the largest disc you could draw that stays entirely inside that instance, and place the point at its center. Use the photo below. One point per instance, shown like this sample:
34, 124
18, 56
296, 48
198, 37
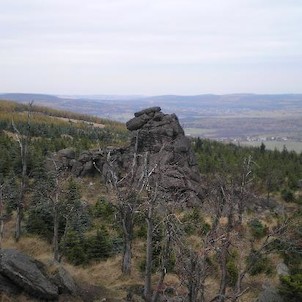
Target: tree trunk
23, 141
20, 205
1, 216
223, 280
126, 265
165, 259
56, 234
148, 269
127, 222
18, 223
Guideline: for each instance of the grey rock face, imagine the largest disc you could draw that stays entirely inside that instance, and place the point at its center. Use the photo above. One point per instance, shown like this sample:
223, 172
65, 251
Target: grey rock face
25, 272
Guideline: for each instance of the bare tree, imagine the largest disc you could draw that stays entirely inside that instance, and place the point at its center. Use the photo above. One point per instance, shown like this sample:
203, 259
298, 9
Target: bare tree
128, 190
225, 204
24, 140
158, 208
53, 191
1, 214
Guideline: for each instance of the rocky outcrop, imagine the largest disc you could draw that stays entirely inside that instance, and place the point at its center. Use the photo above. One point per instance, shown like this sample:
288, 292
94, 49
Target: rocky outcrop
169, 154
19, 272
24, 272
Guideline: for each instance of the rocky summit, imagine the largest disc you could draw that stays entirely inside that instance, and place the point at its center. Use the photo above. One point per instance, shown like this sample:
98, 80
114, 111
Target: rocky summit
170, 156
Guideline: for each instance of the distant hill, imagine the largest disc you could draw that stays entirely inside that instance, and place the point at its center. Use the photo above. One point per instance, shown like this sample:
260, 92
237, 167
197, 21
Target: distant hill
103, 105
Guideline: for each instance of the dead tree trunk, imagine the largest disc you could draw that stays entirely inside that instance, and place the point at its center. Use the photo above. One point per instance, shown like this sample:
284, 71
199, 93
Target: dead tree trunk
166, 253
1, 215
23, 140
149, 251
54, 197
126, 212
56, 254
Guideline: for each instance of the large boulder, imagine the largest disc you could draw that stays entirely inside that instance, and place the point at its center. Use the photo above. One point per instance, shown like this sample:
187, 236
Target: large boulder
26, 273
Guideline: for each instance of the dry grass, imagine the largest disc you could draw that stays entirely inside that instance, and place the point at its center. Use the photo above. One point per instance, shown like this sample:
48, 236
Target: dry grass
106, 274
92, 189
31, 245
96, 125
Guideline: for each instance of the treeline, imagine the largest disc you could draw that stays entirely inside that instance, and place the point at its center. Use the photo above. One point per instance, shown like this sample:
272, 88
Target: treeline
9, 107
274, 171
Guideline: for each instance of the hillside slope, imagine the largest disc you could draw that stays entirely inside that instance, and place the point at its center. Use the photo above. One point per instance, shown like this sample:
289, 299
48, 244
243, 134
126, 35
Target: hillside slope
228, 246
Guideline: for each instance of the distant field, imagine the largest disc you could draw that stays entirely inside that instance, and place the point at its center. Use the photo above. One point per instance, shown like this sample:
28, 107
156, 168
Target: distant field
207, 133
271, 145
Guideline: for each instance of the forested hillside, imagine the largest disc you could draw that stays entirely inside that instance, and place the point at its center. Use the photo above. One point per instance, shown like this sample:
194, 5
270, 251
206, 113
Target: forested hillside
50, 130
226, 247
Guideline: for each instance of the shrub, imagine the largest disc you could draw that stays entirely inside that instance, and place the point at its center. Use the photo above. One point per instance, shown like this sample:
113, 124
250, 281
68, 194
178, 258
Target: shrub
40, 221
291, 287
257, 229
232, 270
288, 195
103, 209
195, 223
74, 248
259, 264
99, 246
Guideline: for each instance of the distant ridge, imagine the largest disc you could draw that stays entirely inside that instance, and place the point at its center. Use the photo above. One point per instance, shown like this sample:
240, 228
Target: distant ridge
26, 97
236, 117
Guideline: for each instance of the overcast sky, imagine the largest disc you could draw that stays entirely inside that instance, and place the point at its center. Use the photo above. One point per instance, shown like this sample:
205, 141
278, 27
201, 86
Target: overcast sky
151, 46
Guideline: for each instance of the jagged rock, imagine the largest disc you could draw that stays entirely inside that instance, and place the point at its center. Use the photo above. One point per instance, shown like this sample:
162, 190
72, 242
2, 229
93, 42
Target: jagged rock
151, 110
65, 282
137, 122
170, 152
85, 156
26, 272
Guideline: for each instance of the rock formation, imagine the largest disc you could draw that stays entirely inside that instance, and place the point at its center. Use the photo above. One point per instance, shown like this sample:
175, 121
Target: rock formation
169, 154
24, 272
19, 272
